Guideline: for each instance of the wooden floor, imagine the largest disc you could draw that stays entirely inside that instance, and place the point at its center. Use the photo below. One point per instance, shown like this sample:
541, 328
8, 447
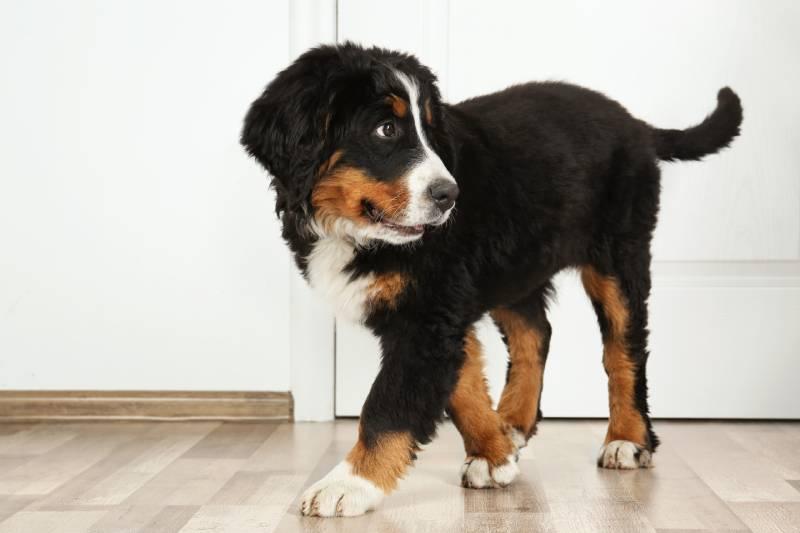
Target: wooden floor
242, 477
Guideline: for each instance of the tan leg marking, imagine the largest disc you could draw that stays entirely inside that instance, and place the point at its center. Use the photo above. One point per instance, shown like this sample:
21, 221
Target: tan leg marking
519, 403
386, 461
471, 407
625, 422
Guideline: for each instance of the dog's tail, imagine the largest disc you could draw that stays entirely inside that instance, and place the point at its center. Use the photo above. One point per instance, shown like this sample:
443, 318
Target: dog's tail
710, 136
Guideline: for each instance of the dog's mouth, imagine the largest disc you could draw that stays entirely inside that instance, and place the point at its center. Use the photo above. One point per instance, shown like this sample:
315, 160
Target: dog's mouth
379, 217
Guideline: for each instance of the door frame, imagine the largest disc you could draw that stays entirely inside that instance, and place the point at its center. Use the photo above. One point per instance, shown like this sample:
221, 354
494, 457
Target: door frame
312, 335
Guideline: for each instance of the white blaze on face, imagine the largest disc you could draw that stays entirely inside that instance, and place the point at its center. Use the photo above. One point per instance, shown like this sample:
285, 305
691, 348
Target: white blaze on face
430, 168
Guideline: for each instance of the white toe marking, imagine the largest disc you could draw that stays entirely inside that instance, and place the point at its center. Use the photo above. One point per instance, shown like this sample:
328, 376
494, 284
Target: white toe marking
477, 474
518, 438
623, 454
340, 493
505, 473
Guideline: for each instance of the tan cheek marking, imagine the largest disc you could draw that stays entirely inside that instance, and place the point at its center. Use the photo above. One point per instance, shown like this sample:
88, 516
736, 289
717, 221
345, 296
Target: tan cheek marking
625, 421
471, 407
339, 194
386, 289
399, 106
386, 461
519, 403
428, 113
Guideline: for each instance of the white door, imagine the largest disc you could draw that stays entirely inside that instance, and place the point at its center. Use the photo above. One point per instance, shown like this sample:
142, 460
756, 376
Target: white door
725, 308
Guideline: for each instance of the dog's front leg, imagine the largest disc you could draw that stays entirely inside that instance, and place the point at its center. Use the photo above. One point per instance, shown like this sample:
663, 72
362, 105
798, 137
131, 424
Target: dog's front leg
404, 405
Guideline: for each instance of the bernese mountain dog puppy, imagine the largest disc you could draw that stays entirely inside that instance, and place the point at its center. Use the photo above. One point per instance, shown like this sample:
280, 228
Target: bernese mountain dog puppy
416, 217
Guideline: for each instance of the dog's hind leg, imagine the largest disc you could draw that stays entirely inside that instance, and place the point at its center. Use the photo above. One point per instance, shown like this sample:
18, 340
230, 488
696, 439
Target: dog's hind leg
491, 455
619, 295
526, 331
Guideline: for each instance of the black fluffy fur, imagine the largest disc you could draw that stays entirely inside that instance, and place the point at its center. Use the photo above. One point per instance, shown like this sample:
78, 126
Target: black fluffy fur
551, 176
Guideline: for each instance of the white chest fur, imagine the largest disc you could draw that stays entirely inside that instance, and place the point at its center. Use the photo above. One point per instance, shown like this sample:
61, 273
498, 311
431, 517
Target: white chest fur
327, 275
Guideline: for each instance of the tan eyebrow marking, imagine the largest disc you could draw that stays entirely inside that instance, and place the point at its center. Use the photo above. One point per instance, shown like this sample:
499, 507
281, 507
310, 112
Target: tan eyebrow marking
399, 106
428, 112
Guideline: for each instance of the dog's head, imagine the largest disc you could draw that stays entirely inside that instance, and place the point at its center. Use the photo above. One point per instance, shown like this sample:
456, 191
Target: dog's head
355, 140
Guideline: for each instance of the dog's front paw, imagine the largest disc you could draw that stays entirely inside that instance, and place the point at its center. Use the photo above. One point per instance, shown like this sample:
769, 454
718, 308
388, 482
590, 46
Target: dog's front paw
477, 473
340, 493
624, 454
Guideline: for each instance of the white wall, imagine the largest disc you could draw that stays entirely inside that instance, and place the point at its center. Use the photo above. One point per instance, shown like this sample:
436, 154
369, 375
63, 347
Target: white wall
138, 246
138, 249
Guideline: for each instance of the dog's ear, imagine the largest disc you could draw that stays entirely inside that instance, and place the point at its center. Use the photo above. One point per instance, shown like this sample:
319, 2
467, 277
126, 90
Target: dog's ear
286, 127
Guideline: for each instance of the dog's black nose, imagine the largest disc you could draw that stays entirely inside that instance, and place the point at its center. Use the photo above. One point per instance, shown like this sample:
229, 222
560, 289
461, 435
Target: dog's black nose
444, 193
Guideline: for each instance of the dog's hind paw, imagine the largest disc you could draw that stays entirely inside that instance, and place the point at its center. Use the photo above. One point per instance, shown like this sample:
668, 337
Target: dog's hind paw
624, 455
477, 473
518, 438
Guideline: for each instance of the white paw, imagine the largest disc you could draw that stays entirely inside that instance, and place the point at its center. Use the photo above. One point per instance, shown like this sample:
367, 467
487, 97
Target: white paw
623, 454
340, 493
518, 438
477, 474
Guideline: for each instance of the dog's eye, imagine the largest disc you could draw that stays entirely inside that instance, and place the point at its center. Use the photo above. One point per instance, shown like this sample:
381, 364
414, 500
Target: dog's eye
386, 130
